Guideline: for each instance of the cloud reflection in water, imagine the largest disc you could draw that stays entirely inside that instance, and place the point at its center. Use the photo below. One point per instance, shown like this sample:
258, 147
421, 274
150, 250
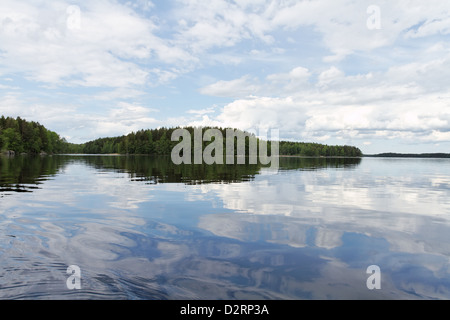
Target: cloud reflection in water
304, 232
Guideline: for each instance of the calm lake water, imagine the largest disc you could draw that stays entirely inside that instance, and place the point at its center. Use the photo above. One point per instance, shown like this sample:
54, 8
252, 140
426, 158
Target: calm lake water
143, 228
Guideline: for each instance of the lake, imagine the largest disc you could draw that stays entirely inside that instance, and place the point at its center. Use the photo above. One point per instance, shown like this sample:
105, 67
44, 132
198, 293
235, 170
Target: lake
142, 228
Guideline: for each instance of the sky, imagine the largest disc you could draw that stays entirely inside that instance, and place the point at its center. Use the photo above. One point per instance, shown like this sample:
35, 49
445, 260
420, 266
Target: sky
372, 74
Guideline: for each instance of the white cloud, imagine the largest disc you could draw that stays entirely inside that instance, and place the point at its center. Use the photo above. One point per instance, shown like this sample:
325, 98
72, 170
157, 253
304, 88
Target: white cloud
291, 82
349, 82
36, 41
343, 24
407, 102
277, 84
122, 119
241, 87
330, 76
80, 126
263, 113
201, 112
219, 23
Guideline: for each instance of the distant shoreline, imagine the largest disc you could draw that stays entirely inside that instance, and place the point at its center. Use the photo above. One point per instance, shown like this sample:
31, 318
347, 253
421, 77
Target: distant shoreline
410, 155
380, 155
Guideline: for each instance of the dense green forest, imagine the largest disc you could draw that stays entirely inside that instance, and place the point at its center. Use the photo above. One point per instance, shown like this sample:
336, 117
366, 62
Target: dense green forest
158, 141
22, 136
288, 148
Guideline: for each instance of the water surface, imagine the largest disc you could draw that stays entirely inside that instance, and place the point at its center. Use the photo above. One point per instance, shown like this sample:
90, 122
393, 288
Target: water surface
142, 228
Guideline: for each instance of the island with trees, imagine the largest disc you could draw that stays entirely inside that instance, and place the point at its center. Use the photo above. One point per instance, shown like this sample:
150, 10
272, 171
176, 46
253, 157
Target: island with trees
410, 155
19, 136
158, 142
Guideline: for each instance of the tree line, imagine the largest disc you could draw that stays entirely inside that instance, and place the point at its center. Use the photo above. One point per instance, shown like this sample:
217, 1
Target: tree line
317, 150
22, 136
411, 155
158, 142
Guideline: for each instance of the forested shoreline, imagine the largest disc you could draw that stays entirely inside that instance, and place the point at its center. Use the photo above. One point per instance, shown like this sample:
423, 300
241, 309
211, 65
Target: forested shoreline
20, 136
158, 142
410, 155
